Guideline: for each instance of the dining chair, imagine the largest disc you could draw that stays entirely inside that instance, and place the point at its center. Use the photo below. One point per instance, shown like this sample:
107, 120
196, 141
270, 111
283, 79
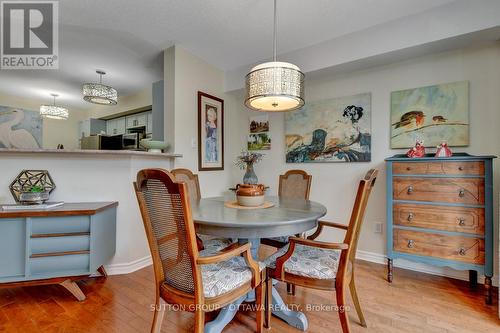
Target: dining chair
205, 242
323, 265
183, 276
294, 184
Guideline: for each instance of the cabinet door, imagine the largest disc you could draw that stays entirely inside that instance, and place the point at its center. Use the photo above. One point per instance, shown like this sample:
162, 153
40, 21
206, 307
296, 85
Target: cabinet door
130, 121
149, 126
110, 126
12, 247
141, 119
120, 125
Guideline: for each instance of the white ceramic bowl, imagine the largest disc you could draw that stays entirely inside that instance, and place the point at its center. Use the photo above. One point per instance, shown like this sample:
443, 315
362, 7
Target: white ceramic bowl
250, 201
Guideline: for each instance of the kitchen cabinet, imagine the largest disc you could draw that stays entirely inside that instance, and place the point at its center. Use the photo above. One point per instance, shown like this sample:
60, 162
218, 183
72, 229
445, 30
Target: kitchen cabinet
136, 120
92, 127
115, 126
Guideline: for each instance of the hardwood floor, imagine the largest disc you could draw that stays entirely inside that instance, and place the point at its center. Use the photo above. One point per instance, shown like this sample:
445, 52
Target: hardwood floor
415, 302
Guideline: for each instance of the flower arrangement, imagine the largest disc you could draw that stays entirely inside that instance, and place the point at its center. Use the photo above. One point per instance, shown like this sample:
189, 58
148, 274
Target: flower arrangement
247, 158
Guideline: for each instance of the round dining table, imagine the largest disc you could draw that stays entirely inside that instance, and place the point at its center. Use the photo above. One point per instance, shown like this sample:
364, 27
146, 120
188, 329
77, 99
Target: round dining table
286, 217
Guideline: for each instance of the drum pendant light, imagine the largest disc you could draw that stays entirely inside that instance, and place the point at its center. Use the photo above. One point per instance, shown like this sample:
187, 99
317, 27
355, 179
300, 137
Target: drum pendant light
275, 86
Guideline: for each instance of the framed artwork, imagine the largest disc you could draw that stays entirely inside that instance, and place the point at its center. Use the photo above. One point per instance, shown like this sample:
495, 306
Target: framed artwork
330, 130
210, 132
259, 141
432, 114
20, 128
259, 124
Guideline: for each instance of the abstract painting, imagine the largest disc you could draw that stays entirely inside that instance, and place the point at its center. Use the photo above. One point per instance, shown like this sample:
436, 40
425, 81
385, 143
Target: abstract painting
210, 132
20, 128
259, 141
331, 130
432, 114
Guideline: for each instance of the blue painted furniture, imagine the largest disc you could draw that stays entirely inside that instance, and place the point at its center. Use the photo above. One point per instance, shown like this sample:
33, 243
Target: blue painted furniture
440, 212
56, 246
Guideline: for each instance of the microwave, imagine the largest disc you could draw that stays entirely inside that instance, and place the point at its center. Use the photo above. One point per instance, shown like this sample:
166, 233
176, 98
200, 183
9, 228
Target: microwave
131, 141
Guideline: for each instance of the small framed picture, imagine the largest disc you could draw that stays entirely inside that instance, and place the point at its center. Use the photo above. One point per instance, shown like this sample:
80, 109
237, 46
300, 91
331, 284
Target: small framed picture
210, 132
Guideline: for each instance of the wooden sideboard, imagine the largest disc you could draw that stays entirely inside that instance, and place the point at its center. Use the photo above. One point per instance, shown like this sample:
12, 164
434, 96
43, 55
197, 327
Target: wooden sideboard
56, 246
440, 212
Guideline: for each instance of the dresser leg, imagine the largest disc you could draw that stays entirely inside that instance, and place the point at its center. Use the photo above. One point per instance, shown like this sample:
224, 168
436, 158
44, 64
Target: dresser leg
73, 288
472, 279
102, 271
390, 269
487, 287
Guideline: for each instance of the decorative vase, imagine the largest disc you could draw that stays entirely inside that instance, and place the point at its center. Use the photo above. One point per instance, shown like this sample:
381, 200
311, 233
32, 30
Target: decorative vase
250, 177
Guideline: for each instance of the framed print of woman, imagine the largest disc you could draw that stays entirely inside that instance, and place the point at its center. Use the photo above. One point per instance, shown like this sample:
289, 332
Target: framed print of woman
210, 132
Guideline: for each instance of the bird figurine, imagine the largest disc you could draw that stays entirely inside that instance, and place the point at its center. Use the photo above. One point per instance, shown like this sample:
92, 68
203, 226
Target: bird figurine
417, 151
439, 119
443, 150
408, 118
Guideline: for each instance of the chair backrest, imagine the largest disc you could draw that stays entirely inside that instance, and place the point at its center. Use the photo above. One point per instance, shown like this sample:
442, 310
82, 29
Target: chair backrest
295, 184
191, 180
166, 214
357, 216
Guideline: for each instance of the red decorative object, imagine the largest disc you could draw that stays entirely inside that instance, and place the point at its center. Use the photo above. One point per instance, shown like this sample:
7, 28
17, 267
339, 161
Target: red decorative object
417, 151
443, 150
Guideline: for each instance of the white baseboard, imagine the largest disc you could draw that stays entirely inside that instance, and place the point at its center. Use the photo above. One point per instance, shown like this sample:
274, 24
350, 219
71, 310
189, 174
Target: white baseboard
126, 268
418, 267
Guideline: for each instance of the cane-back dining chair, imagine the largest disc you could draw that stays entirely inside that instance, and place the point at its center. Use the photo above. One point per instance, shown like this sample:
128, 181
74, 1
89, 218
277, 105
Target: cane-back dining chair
322, 265
205, 242
294, 184
185, 277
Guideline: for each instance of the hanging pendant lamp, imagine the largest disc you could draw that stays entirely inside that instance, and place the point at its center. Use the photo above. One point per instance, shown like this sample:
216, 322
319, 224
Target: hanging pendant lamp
275, 86
99, 93
53, 111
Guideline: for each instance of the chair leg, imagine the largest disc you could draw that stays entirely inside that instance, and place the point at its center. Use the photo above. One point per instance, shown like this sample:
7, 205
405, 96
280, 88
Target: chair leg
158, 315
269, 300
355, 299
199, 321
259, 306
341, 303
289, 288
293, 290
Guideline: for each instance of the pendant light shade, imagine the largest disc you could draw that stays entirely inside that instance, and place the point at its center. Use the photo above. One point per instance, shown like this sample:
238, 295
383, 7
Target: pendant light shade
53, 111
99, 93
274, 86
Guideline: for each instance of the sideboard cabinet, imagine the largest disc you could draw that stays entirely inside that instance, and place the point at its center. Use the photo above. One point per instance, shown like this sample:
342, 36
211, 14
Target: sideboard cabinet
56, 246
440, 212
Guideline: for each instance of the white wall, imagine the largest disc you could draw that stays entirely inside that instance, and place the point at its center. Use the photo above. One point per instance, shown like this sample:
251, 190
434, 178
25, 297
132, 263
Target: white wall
334, 183
139, 99
54, 131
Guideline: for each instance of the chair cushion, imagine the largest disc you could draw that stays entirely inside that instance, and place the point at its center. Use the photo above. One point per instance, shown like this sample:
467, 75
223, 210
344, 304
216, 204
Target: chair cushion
215, 244
225, 276
308, 261
281, 239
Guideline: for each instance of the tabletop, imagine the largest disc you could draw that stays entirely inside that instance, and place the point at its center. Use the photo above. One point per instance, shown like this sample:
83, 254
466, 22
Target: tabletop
68, 209
286, 217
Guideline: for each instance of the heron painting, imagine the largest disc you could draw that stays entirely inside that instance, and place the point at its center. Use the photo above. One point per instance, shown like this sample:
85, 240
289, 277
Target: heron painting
432, 114
331, 130
20, 128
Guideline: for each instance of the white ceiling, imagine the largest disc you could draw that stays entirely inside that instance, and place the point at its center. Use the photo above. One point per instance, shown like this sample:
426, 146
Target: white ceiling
126, 37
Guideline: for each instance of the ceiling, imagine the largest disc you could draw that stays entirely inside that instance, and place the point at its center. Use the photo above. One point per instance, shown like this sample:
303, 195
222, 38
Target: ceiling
126, 37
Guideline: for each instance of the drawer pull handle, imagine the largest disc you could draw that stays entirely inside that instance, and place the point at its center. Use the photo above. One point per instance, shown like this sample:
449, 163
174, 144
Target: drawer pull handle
410, 189
461, 221
408, 168
461, 193
410, 217
411, 243
461, 168
462, 251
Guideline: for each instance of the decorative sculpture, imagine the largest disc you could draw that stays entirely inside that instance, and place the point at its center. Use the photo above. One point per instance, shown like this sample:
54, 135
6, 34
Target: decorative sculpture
32, 181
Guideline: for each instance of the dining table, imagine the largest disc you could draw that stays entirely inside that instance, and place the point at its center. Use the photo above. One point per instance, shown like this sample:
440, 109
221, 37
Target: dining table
285, 217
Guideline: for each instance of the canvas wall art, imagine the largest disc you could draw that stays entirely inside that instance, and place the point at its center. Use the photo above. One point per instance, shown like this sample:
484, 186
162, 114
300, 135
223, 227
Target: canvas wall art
210, 132
20, 128
331, 130
432, 114
259, 141
259, 124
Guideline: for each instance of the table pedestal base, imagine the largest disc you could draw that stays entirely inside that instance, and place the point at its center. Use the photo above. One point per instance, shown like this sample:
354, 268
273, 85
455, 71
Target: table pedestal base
293, 318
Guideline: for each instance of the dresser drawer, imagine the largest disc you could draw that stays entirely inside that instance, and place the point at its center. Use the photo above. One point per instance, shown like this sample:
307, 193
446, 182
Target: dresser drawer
453, 190
60, 244
77, 264
475, 168
457, 248
60, 225
457, 219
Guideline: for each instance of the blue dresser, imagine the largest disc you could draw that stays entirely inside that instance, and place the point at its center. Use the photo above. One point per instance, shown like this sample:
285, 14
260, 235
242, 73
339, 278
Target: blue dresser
56, 246
440, 212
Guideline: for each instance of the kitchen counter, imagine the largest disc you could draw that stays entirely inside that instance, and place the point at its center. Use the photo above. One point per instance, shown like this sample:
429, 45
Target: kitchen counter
89, 152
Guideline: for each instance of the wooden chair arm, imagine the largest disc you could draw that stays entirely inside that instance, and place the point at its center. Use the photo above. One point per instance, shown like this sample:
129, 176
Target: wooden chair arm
235, 250
322, 224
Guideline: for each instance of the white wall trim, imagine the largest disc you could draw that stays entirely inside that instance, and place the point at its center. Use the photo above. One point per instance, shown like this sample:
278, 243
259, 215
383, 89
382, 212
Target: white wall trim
418, 267
129, 267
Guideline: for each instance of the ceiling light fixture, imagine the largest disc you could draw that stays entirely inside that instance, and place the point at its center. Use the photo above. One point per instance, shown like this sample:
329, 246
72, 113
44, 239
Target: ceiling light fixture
99, 93
275, 86
53, 111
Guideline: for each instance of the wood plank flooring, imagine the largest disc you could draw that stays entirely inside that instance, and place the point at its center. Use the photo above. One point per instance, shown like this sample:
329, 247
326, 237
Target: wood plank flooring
415, 302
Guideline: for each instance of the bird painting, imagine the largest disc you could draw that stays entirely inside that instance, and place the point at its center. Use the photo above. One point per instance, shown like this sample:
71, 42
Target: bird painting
410, 119
439, 119
16, 138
